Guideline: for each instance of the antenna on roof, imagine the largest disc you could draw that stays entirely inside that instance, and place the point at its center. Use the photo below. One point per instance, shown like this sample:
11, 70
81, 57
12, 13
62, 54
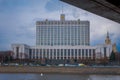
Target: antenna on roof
62, 16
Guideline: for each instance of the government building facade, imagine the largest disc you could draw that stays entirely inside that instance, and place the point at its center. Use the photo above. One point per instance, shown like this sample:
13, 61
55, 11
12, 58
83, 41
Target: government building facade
63, 40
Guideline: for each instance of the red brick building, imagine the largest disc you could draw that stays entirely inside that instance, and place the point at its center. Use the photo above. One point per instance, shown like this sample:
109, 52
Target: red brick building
5, 56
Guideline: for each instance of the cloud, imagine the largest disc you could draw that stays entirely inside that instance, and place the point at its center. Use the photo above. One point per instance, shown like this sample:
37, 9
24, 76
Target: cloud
53, 5
18, 26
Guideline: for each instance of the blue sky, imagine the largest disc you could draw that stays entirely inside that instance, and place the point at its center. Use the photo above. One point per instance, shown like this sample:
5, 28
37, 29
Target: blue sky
18, 17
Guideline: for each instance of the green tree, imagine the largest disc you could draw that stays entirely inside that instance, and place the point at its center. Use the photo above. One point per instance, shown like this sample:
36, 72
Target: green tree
11, 58
6, 59
112, 56
72, 61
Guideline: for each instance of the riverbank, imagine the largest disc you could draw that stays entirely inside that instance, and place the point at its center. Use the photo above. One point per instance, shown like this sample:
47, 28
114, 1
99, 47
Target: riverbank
65, 70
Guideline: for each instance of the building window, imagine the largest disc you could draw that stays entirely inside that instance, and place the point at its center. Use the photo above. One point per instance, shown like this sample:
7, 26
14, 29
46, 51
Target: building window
54, 52
30, 53
69, 52
36, 53
17, 52
105, 51
33, 53
47, 52
75, 52
50, 52
58, 52
79, 52
82, 52
86, 53
90, 52
43, 52
65, 52
61, 52
72, 52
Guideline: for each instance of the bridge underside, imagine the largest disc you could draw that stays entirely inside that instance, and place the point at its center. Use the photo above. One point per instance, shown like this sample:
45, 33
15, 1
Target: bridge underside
109, 9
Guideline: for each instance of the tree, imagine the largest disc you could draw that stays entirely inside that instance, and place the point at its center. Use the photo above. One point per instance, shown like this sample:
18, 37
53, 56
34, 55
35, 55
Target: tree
71, 61
6, 59
112, 56
11, 58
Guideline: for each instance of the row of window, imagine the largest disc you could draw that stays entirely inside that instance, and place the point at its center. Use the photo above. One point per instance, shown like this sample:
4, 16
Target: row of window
58, 22
63, 43
69, 29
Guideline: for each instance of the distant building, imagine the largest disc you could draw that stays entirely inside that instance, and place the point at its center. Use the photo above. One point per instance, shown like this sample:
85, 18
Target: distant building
5, 55
107, 49
21, 51
107, 41
62, 40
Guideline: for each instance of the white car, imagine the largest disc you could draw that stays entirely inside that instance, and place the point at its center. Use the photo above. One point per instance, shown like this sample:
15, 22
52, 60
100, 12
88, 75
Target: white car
61, 65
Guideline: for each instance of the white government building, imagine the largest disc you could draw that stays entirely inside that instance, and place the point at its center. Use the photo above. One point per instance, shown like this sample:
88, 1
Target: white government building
62, 39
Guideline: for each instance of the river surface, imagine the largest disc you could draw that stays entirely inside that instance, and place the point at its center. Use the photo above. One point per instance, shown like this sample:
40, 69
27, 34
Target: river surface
57, 77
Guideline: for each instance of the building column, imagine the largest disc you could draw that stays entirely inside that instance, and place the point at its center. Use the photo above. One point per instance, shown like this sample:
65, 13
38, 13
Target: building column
70, 54
31, 53
15, 53
42, 53
35, 53
63, 54
49, 54
77, 53
74, 53
55, 53
81, 54
85, 54
88, 53
91, 53
59, 53
52, 53
66, 53
45, 53
38, 53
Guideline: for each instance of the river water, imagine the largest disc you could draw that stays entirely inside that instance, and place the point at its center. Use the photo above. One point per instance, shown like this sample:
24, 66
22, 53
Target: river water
57, 77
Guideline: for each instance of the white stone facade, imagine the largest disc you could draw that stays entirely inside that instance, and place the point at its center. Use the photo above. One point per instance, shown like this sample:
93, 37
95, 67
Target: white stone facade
103, 51
67, 32
21, 51
61, 52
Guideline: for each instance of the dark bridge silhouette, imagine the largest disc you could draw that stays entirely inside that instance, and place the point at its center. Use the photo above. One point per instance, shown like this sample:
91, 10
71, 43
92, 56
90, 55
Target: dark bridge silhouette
109, 9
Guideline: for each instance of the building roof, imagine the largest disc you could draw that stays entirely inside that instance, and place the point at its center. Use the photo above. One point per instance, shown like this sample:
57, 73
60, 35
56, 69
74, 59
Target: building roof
6, 53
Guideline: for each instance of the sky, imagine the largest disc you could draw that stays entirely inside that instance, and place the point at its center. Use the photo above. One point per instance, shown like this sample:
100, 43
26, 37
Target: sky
18, 17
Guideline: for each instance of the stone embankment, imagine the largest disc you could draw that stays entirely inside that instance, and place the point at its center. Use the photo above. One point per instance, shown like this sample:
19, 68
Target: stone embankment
68, 70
